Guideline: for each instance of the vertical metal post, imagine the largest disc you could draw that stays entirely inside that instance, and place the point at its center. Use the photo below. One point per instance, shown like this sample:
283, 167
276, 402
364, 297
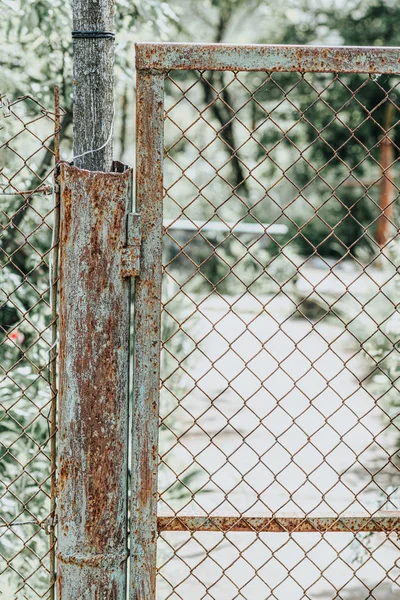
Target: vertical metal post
53, 350
147, 321
93, 407
387, 192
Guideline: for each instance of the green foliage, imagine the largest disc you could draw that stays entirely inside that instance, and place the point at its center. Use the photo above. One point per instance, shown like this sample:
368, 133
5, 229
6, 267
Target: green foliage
371, 23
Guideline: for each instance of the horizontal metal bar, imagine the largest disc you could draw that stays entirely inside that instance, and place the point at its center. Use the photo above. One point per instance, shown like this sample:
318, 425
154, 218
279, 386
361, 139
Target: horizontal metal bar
188, 225
383, 521
232, 57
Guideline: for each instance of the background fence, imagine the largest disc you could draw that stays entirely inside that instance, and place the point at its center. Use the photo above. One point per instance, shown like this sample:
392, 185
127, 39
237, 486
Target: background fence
28, 320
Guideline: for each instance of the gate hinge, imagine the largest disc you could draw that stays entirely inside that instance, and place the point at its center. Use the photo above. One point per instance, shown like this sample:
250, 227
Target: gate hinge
130, 257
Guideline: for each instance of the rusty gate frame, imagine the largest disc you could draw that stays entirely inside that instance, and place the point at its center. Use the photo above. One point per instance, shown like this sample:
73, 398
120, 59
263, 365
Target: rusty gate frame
153, 61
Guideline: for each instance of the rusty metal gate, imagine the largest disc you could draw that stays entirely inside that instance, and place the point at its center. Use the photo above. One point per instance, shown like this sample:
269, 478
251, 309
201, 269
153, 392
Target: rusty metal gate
273, 174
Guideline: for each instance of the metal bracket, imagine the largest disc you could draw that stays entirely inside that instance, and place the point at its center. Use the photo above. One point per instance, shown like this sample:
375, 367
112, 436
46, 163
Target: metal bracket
130, 257
49, 523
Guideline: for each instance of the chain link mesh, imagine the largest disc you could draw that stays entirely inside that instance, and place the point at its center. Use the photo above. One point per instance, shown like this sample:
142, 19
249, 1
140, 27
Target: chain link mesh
279, 391
29, 140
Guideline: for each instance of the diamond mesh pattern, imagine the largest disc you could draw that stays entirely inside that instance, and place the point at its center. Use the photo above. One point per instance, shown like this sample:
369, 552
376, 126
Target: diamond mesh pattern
27, 350
280, 331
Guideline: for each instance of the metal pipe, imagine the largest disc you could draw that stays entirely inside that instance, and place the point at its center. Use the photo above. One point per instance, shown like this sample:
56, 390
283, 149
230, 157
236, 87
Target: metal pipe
93, 389
147, 326
53, 349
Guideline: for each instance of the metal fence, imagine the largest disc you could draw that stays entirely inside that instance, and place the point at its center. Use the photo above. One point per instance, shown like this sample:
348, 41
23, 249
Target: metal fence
266, 215
279, 432
28, 320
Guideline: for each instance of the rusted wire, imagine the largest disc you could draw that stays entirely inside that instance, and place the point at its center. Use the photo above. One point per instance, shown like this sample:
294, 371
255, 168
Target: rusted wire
28, 353
273, 434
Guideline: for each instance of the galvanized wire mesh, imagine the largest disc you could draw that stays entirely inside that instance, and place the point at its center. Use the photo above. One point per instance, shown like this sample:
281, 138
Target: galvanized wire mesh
29, 220
279, 394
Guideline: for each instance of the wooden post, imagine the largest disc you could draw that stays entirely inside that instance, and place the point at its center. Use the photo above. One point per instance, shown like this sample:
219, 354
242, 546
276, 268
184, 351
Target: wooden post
93, 72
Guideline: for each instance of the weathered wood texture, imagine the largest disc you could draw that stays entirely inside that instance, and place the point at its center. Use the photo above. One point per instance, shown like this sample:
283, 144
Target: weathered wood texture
93, 400
93, 74
149, 197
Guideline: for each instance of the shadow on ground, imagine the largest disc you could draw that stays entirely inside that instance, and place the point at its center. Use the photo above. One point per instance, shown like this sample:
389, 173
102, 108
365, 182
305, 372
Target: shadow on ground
385, 591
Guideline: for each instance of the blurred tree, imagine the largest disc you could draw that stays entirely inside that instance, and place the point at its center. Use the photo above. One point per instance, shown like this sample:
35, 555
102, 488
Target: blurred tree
354, 114
37, 53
